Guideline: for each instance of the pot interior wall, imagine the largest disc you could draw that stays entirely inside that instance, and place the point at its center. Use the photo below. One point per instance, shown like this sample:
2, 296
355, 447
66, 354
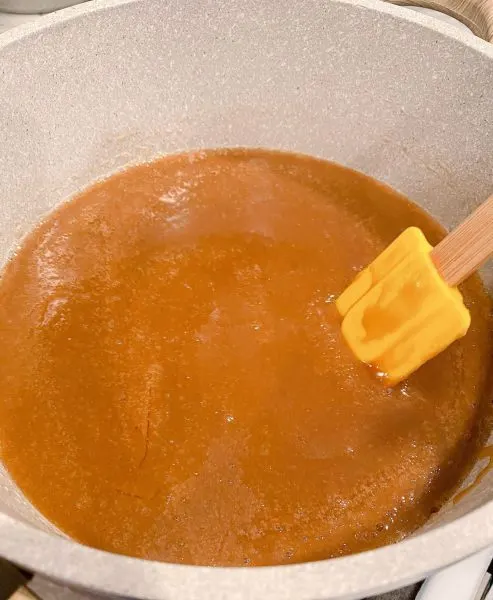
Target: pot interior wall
396, 100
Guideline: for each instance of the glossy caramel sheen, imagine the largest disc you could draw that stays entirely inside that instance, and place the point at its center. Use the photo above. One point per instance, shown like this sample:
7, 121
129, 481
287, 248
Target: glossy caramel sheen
174, 384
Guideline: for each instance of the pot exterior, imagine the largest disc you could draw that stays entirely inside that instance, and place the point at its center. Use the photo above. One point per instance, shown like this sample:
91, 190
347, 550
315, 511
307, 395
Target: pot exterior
35, 6
113, 82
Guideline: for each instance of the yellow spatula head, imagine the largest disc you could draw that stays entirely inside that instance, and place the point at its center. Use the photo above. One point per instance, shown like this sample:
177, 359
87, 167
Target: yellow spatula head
399, 312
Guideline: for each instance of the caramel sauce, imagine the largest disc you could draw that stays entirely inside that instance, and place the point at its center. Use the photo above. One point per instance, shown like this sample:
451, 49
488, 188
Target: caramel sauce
174, 382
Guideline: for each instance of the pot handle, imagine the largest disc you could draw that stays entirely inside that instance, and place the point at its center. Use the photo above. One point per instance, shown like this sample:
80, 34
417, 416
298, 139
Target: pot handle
475, 14
462, 581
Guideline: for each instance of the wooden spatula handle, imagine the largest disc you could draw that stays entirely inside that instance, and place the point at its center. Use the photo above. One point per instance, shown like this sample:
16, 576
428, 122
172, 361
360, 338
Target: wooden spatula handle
475, 14
465, 249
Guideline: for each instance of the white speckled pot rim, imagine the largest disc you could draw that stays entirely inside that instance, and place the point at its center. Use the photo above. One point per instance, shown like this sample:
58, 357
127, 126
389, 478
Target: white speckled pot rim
72, 12
343, 578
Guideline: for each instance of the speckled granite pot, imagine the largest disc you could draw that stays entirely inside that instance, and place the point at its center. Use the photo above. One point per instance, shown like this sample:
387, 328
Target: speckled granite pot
394, 94
35, 6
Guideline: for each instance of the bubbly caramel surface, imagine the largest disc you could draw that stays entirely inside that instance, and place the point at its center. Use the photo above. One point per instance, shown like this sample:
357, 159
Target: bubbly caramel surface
173, 380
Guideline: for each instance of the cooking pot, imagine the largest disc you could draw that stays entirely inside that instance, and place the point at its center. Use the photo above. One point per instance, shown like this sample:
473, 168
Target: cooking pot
397, 95
35, 6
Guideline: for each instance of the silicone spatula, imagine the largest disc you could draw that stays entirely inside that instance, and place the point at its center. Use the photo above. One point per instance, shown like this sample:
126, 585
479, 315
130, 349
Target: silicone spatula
405, 308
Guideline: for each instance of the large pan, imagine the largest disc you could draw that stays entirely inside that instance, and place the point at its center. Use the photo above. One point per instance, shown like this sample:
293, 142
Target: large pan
396, 95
